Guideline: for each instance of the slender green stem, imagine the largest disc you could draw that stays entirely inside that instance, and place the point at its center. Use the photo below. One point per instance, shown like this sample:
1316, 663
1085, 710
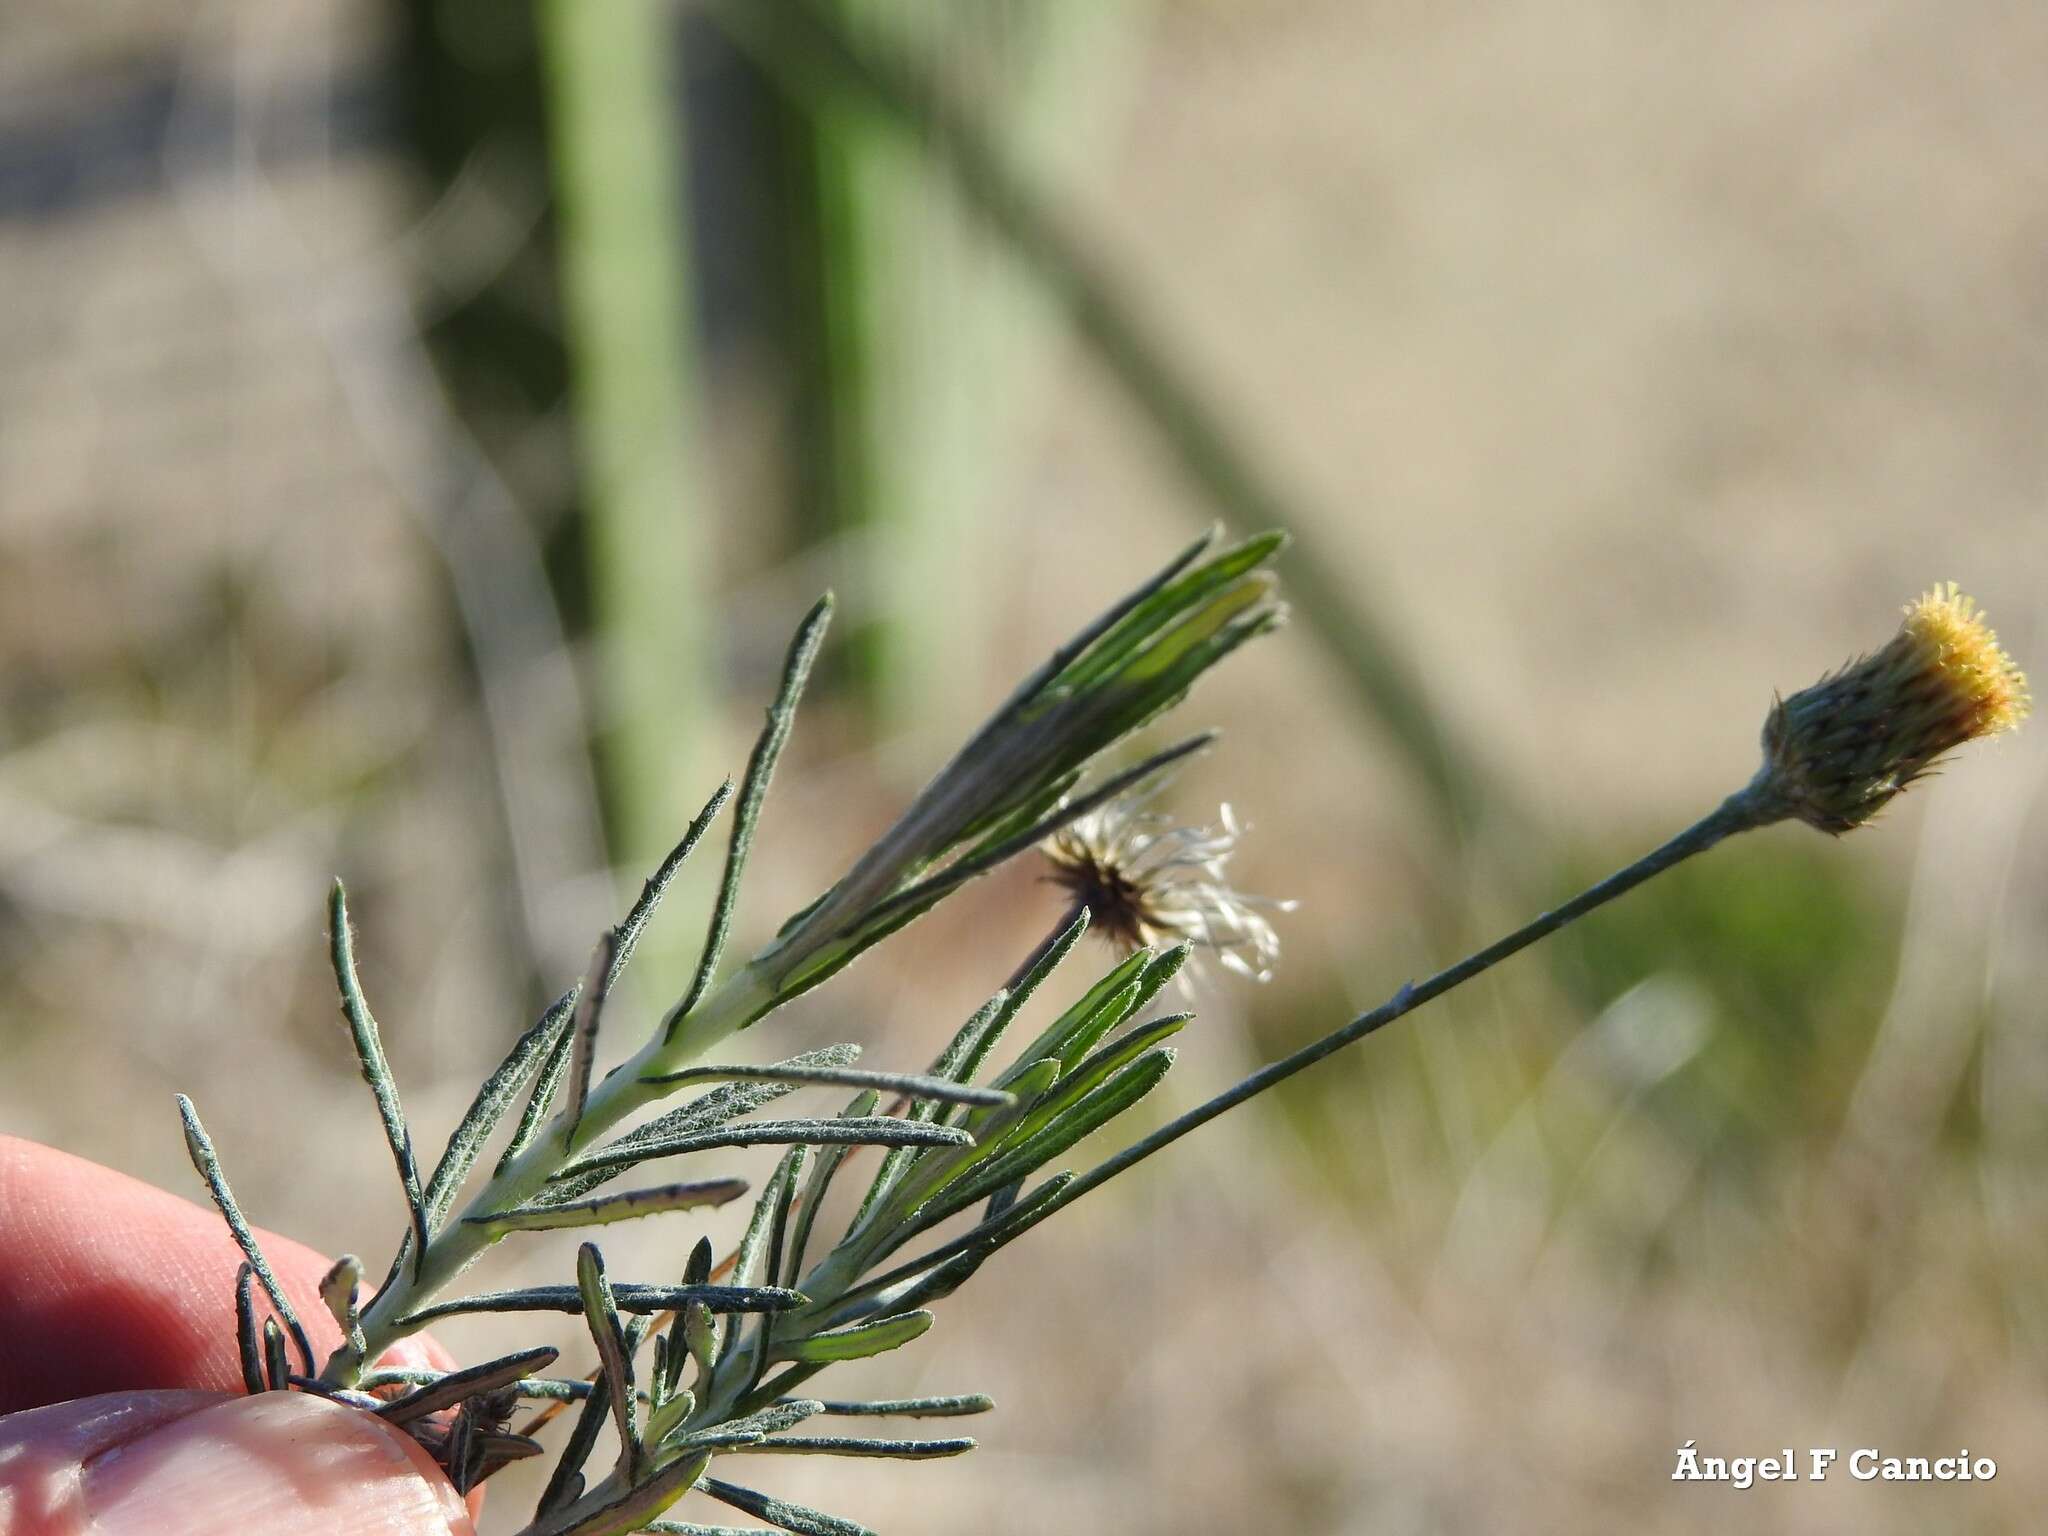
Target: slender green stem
619, 1095
1738, 813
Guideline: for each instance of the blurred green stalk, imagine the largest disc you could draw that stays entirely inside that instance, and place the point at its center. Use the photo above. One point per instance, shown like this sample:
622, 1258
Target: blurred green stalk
811, 47
617, 156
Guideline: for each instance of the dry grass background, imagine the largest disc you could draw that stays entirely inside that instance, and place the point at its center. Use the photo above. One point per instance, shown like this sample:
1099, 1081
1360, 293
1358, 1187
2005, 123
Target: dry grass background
1640, 359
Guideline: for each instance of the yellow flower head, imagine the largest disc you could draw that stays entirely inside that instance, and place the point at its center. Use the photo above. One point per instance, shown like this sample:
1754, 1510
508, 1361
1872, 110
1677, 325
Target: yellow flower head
1836, 752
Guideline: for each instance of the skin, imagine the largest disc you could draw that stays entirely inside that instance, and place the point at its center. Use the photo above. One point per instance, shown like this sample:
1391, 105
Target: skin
123, 1400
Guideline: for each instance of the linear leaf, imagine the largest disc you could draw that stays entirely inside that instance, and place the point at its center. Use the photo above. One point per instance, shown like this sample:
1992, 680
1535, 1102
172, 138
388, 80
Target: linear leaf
1093, 1110
589, 1017
491, 1101
795, 1518
853, 1445
248, 1341
849, 1077
448, 1390
871, 1130
1028, 980
857, 1342
796, 668
630, 1298
636, 920
567, 1480
953, 1407
376, 1070
785, 1199
1099, 1000
277, 1367
545, 1084
601, 1313
623, 1206
812, 1200
199, 1147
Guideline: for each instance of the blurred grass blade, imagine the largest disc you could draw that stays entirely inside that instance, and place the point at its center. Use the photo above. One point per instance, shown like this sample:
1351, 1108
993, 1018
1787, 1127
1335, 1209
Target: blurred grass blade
821, 54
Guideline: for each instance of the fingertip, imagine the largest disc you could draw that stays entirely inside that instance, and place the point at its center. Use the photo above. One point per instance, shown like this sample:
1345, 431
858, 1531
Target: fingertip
283, 1463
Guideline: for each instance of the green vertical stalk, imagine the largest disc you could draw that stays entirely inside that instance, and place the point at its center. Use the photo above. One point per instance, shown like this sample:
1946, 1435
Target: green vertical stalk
616, 136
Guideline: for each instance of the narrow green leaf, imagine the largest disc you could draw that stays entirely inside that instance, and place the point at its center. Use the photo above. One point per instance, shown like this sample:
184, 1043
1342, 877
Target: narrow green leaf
785, 1198
277, 1367
1192, 595
199, 1147
981, 1240
872, 1130
566, 1483
1077, 1022
609, 1208
589, 1017
700, 1334
953, 1407
849, 1445
747, 1258
554, 1066
850, 1077
888, 915
630, 1298
640, 1503
629, 931
1029, 978
455, 1386
803, 651
248, 1339
771, 1420
857, 1342
601, 1313
795, 1518
820, 1182
1093, 1110
528, 1053
376, 1070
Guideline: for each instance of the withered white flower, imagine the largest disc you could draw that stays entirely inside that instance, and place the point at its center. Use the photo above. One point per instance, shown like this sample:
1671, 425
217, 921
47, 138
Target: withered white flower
1147, 880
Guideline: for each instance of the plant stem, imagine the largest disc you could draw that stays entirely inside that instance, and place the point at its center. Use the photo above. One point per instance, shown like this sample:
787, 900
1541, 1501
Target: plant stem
1738, 813
620, 1094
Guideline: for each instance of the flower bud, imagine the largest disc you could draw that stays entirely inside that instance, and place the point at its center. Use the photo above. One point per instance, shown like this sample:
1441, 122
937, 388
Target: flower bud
1836, 752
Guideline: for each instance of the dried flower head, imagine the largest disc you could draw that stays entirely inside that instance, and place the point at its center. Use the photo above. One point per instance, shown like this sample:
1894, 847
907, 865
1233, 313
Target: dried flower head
1146, 880
1836, 752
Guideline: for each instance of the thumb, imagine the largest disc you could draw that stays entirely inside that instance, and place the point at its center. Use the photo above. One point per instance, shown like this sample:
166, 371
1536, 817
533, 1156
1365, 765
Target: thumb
201, 1464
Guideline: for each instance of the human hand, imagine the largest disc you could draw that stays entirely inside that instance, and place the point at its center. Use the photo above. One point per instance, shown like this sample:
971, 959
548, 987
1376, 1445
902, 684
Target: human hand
122, 1393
